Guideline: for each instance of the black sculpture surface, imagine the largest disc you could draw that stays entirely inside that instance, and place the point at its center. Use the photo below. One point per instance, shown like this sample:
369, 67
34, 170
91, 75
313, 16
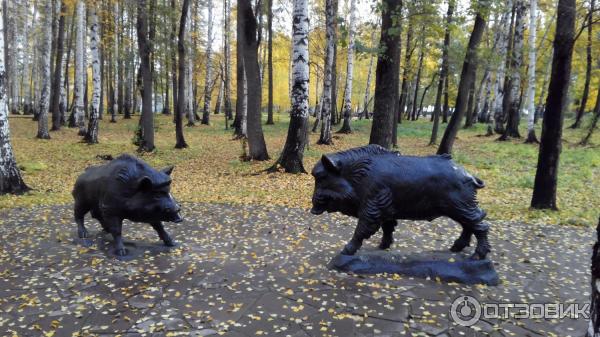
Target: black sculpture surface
378, 186
125, 188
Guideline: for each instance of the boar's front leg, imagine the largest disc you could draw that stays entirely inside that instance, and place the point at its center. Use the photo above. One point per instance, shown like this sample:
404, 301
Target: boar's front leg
115, 226
388, 234
162, 233
364, 230
483, 245
463, 240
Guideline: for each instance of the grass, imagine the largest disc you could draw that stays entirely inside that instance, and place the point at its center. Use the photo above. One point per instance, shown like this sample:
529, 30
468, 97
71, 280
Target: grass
210, 170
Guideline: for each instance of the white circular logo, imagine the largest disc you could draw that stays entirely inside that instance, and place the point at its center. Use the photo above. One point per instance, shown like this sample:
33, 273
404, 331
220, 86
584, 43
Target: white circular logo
465, 310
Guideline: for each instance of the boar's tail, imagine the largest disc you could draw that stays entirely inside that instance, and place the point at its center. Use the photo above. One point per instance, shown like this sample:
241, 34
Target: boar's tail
478, 183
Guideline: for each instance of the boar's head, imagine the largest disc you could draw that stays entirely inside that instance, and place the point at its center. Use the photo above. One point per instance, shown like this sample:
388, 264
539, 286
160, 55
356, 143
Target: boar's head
338, 176
150, 199
333, 191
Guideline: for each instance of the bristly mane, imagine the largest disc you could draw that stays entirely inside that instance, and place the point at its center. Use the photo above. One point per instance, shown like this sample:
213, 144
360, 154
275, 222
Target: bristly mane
360, 152
134, 168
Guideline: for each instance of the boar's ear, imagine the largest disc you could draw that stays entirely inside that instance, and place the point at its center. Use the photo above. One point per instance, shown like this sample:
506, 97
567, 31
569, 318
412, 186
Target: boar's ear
144, 183
167, 170
330, 164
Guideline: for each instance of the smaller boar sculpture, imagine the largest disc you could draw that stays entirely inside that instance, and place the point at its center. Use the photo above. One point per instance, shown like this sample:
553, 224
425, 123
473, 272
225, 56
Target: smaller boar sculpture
125, 188
378, 186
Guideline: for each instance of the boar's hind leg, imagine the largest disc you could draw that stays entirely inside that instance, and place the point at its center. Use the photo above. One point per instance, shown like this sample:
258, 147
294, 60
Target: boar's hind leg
388, 234
364, 230
79, 213
162, 233
483, 246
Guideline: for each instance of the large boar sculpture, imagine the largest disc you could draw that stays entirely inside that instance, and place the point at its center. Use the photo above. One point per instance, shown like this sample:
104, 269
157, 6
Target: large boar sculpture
125, 188
378, 186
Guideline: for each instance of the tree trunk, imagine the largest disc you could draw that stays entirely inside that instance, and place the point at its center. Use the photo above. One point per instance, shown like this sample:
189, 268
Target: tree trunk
45, 69
531, 138
347, 108
514, 86
227, 62
256, 141
56, 78
145, 48
189, 76
594, 325
405, 76
239, 123
10, 176
470, 105
327, 105
387, 75
334, 76
544, 189
418, 79
91, 136
503, 108
115, 61
208, 85
437, 107
588, 69
594, 123
467, 76
219, 101
365, 112
270, 62
504, 30
297, 136
181, 102
80, 70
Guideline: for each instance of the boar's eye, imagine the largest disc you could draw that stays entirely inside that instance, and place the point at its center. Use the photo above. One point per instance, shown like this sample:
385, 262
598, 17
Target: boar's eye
145, 184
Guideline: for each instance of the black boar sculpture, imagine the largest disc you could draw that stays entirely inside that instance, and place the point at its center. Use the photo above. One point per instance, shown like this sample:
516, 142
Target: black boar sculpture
125, 188
378, 186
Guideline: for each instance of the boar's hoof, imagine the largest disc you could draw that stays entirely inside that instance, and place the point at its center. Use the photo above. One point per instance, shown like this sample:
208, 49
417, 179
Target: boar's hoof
350, 249
385, 244
121, 252
458, 246
82, 233
170, 242
480, 254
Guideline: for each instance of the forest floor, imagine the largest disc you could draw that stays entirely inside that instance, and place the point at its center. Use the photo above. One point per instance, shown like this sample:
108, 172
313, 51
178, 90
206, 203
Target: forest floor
210, 170
253, 270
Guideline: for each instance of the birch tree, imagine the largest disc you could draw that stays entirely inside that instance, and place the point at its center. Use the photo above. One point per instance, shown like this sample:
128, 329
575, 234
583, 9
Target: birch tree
503, 48
79, 89
208, 57
325, 137
115, 100
227, 61
46, 40
91, 136
531, 138
10, 176
514, 86
56, 78
297, 136
347, 107
365, 112
588, 68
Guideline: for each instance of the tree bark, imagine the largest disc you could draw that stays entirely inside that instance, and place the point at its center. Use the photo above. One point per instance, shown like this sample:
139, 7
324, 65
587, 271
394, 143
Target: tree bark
402, 103
366, 100
46, 77
227, 63
56, 79
387, 75
514, 86
180, 112
594, 124
544, 188
442, 82
531, 137
327, 105
256, 141
418, 79
467, 76
91, 136
145, 48
10, 175
80, 70
588, 68
208, 84
270, 62
347, 107
297, 136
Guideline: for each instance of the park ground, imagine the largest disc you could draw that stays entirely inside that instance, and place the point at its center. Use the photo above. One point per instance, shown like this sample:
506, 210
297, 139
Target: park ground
210, 170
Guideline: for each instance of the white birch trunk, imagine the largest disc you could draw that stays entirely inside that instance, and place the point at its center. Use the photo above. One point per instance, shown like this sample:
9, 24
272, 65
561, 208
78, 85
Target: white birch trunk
11, 66
80, 68
45, 69
244, 112
208, 78
325, 137
189, 74
227, 53
10, 176
347, 107
531, 71
92, 133
496, 108
300, 66
116, 61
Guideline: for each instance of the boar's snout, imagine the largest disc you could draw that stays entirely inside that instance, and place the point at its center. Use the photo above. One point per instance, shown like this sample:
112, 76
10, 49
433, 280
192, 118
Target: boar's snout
316, 211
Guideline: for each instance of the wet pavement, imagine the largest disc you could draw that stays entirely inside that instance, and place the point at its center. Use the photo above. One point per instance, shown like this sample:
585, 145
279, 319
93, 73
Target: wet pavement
244, 270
